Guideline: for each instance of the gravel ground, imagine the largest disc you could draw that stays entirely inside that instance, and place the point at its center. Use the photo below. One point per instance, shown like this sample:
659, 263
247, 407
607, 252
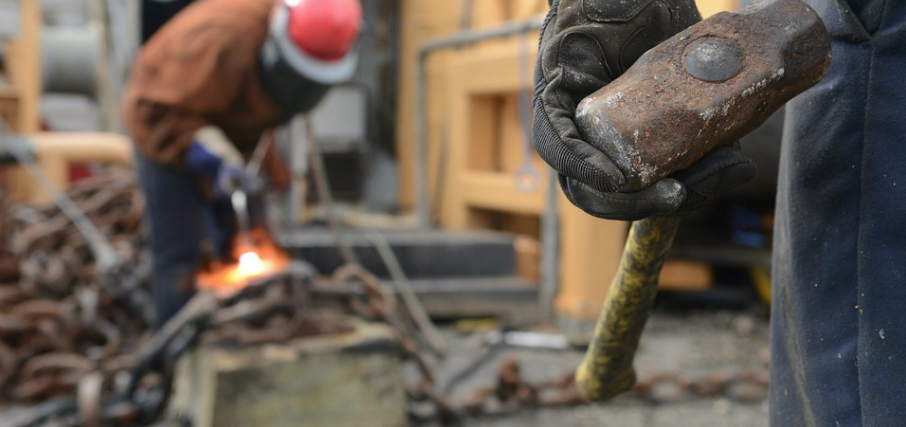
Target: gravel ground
692, 343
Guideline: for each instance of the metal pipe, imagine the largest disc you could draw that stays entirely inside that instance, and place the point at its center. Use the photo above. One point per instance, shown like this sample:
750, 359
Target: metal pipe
81, 147
55, 151
105, 256
421, 147
298, 164
550, 250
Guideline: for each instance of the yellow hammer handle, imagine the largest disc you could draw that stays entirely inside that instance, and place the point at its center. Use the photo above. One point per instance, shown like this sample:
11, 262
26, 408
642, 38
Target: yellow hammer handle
607, 370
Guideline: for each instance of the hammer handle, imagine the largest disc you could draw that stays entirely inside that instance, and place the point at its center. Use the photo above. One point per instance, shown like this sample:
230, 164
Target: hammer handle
607, 367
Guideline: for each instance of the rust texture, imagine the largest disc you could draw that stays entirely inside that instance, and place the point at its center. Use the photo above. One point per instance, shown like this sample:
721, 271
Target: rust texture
705, 87
66, 342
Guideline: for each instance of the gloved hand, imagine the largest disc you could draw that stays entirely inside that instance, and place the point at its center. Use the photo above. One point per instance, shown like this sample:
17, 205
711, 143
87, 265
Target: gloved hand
586, 44
222, 177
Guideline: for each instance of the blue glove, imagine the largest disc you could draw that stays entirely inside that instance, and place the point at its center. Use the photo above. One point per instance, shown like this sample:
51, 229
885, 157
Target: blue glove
222, 178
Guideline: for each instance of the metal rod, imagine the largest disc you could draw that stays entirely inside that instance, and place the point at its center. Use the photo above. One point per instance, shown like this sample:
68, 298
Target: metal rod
319, 173
104, 254
264, 144
421, 147
299, 163
415, 307
239, 199
550, 250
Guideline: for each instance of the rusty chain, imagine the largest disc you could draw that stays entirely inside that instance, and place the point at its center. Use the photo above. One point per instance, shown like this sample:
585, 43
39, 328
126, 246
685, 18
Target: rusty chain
380, 304
81, 352
511, 392
75, 351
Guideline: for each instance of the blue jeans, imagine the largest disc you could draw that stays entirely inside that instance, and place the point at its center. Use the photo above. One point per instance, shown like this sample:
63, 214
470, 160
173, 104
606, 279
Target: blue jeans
178, 219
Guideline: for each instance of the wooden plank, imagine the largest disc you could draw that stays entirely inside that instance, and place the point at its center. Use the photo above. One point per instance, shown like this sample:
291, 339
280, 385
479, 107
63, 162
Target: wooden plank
524, 9
484, 129
590, 255
497, 191
497, 70
471, 123
420, 22
510, 137
23, 57
476, 78
710, 7
9, 104
494, 12
682, 275
488, 13
528, 257
24, 68
515, 136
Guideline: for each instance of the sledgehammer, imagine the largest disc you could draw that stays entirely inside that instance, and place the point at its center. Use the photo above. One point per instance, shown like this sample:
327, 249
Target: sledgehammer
705, 87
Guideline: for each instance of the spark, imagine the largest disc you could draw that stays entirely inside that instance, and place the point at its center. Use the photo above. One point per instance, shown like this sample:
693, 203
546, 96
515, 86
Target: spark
250, 264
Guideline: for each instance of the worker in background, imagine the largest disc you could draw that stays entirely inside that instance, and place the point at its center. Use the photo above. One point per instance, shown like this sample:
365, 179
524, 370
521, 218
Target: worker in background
838, 324
217, 77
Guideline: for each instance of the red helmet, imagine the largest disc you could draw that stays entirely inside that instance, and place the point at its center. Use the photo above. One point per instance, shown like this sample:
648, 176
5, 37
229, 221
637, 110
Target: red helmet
325, 29
309, 48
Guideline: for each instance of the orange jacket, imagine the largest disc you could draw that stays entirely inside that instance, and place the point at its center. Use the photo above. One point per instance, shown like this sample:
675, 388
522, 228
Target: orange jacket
201, 69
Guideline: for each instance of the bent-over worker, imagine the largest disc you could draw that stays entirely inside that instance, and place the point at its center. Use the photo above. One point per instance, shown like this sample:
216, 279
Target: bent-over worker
222, 72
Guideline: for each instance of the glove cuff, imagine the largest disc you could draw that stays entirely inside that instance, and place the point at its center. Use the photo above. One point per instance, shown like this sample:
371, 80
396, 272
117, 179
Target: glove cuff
202, 162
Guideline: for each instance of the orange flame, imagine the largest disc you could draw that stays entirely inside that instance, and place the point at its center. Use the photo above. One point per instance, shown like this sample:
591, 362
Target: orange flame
258, 258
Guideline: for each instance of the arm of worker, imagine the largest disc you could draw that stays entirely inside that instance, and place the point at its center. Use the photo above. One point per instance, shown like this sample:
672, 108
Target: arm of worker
584, 46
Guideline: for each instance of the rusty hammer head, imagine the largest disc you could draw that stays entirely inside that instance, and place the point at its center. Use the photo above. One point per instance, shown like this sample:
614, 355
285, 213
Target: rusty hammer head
705, 87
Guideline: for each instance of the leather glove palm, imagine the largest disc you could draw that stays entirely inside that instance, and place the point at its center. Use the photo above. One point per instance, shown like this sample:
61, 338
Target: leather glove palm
586, 44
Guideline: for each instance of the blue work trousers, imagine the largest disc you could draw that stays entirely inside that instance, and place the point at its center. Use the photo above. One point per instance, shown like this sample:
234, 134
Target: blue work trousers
179, 219
838, 325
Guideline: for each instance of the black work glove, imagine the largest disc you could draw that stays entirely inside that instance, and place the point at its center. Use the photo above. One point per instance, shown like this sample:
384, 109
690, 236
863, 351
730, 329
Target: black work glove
586, 44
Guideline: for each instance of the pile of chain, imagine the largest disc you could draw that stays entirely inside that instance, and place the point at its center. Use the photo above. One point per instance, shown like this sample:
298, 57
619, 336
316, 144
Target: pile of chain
56, 322
89, 358
54, 257
512, 393
82, 356
737, 384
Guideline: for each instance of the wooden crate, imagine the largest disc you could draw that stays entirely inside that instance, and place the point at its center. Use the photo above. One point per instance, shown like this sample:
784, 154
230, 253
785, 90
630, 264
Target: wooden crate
23, 67
710, 7
9, 104
422, 21
350, 380
475, 145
